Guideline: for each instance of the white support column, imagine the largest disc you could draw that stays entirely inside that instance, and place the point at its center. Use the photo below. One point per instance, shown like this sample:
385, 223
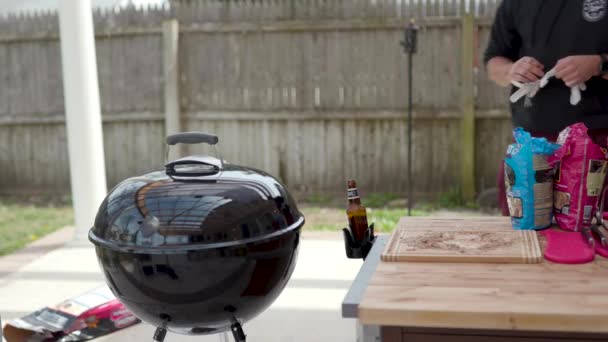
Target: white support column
83, 113
173, 123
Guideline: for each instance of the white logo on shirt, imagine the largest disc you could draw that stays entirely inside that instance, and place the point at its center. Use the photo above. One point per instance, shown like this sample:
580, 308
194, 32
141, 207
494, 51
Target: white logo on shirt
594, 10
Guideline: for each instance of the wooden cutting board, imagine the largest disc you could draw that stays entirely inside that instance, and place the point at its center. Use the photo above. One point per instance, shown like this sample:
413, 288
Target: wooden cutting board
442, 241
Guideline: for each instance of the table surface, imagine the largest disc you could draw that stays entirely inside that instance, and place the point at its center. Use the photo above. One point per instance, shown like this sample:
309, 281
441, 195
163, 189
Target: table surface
526, 297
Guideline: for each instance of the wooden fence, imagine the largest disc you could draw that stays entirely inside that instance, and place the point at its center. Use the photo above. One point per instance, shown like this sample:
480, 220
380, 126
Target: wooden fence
199, 12
313, 92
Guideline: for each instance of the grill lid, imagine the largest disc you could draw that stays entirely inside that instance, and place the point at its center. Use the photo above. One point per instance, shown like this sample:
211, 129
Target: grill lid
198, 202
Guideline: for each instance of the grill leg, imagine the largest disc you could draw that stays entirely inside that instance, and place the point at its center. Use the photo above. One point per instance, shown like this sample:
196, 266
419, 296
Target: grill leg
237, 332
159, 335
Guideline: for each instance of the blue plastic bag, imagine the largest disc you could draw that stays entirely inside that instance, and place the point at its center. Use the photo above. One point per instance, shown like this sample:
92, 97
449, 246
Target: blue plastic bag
529, 181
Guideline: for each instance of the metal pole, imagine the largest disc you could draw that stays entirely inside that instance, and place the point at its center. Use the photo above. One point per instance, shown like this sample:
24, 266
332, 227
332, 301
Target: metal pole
83, 113
409, 132
410, 46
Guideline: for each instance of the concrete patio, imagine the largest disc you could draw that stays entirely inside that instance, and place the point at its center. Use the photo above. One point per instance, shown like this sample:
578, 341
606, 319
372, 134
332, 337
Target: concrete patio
52, 270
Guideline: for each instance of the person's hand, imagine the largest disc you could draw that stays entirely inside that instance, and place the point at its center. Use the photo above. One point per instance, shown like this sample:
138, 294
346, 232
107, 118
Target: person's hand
575, 70
526, 69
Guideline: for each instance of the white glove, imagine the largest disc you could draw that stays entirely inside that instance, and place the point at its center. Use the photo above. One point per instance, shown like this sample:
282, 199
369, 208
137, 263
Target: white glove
575, 91
531, 88
525, 89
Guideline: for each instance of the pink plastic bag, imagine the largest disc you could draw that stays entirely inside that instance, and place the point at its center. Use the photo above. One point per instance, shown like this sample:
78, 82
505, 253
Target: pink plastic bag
579, 178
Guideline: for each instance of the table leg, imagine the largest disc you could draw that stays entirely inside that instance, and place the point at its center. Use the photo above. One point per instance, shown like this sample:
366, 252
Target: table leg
368, 333
224, 337
391, 334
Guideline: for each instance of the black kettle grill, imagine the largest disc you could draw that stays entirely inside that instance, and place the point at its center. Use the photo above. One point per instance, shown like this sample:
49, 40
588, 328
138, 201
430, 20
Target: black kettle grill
199, 248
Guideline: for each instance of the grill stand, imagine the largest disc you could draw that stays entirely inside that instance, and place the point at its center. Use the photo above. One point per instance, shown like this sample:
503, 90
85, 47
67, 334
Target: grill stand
238, 333
236, 328
159, 335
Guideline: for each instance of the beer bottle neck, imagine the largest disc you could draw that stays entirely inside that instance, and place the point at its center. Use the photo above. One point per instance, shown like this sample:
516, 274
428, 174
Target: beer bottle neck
356, 200
353, 195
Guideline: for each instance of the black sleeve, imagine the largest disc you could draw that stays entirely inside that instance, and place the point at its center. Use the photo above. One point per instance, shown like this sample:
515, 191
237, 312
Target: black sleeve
504, 40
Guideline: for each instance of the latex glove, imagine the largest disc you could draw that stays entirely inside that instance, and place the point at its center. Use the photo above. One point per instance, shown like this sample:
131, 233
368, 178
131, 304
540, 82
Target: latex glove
528, 89
575, 91
550, 74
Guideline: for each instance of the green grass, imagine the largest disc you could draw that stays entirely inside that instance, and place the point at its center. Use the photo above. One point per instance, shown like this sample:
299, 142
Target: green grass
322, 213
452, 199
319, 199
22, 223
333, 219
380, 200
385, 220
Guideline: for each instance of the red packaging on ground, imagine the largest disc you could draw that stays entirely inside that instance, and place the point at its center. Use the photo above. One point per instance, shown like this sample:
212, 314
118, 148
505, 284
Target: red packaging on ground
88, 316
579, 178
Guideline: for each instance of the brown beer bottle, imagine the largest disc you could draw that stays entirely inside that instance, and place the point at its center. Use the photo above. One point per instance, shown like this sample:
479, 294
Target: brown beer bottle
357, 215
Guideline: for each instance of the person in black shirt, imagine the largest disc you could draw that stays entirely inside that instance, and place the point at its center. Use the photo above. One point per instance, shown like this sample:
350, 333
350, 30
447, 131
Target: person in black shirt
530, 37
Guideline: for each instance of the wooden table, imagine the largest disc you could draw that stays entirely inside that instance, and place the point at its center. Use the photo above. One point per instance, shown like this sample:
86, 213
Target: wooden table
452, 302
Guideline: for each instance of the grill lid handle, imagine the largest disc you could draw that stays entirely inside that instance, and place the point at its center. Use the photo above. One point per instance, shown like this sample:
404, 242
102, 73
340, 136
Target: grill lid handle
191, 138
193, 168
